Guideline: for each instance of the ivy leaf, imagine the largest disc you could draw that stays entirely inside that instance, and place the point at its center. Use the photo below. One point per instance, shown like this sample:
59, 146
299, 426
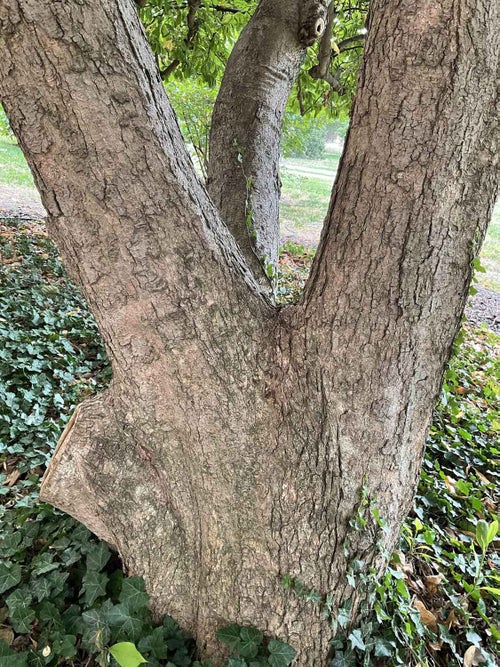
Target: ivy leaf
48, 614
383, 648
236, 662
250, 640
65, 646
9, 658
357, 640
40, 587
171, 628
133, 594
43, 564
96, 632
230, 636
126, 655
280, 654
155, 644
10, 575
94, 586
344, 659
123, 622
98, 556
20, 614
10, 544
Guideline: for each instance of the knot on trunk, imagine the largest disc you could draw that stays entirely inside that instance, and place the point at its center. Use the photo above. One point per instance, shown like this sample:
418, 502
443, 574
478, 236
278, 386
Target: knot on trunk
313, 18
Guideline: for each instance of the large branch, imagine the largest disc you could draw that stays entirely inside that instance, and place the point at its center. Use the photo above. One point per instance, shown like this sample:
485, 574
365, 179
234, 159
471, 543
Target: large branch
413, 196
243, 172
119, 178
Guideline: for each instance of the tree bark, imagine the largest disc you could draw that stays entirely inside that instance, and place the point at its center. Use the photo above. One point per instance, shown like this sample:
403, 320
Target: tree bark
243, 171
231, 446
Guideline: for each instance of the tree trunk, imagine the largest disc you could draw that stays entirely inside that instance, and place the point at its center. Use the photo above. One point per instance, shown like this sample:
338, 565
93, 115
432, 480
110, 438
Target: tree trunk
231, 446
243, 170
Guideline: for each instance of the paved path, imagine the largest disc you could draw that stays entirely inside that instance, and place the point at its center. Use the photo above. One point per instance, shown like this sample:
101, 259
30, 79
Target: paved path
20, 202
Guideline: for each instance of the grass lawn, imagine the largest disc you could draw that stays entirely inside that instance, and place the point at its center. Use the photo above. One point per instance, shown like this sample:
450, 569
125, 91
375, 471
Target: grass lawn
13, 168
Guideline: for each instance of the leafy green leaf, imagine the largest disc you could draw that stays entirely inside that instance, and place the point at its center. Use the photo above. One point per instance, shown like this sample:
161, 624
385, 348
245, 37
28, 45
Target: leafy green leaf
250, 641
126, 654
10, 575
357, 640
133, 593
155, 644
230, 636
9, 658
124, 623
65, 646
97, 556
280, 654
94, 586
20, 613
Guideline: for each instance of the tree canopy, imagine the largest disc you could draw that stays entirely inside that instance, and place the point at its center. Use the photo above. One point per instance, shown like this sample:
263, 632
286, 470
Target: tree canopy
192, 38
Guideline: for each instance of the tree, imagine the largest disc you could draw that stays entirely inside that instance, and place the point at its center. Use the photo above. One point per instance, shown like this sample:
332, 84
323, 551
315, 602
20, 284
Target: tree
232, 444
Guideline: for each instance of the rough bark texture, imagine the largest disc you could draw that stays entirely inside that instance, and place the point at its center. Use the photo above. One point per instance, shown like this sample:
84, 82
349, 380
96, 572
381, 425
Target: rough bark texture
231, 446
243, 171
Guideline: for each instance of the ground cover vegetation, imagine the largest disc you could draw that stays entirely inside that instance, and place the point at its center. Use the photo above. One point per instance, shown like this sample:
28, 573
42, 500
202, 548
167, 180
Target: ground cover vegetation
64, 599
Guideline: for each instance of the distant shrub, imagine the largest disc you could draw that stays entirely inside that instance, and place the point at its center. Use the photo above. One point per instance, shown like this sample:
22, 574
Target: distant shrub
5, 130
193, 104
304, 136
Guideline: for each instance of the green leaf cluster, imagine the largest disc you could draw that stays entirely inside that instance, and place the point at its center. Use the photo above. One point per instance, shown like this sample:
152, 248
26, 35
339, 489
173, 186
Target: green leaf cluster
251, 650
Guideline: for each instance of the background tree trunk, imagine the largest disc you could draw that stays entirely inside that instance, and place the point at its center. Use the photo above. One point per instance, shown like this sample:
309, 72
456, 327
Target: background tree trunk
230, 449
243, 170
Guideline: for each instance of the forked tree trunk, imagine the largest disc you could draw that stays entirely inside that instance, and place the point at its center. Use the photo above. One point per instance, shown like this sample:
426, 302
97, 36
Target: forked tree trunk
230, 448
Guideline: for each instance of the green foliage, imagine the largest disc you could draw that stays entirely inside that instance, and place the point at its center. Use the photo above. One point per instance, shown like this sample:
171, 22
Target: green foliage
199, 47
50, 354
203, 54
251, 650
193, 104
5, 130
311, 96
304, 136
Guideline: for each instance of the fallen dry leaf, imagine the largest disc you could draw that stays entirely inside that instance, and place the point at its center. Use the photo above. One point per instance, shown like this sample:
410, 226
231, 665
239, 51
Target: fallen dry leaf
450, 484
482, 477
435, 646
426, 616
432, 582
12, 478
7, 634
451, 620
473, 656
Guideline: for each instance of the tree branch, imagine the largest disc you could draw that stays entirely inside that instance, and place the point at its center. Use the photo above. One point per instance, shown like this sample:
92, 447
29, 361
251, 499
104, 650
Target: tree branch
321, 70
243, 174
193, 28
